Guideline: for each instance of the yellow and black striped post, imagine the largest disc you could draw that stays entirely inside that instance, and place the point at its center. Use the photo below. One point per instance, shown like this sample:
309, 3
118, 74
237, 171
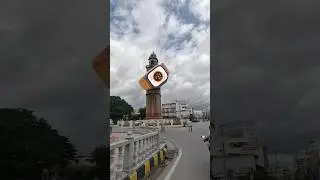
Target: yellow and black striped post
149, 165
133, 176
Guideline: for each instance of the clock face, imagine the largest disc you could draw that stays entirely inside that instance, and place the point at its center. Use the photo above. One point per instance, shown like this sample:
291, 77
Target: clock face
157, 76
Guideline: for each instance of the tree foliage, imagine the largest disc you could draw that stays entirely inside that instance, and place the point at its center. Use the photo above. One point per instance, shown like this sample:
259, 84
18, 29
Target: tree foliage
101, 157
142, 112
119, 108
28, 144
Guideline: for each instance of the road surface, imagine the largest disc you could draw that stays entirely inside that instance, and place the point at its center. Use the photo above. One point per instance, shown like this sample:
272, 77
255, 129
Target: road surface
194, 163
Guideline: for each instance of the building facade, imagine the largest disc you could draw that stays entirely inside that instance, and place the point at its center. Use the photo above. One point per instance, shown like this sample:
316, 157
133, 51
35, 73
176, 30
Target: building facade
198, 115
300, 160
206, 114
176, 110
237, 151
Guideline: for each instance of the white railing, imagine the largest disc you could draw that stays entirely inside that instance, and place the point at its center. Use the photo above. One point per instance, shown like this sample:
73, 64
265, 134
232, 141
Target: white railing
131, 152
150, 123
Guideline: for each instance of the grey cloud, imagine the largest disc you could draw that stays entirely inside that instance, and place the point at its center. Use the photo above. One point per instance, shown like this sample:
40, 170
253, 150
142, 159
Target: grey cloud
177, 92
278, 44
46, 50
180, 63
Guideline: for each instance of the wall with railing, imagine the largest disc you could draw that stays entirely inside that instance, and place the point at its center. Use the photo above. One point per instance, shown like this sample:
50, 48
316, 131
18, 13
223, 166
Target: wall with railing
152, 123
130, 153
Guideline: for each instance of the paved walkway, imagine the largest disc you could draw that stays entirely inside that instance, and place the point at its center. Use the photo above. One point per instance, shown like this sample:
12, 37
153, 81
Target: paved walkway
195, 159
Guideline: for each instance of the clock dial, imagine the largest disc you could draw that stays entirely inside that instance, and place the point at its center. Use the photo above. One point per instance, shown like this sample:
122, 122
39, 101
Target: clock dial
157, 76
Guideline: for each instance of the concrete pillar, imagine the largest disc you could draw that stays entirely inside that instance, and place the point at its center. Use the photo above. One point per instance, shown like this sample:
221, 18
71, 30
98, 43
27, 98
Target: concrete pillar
128, 153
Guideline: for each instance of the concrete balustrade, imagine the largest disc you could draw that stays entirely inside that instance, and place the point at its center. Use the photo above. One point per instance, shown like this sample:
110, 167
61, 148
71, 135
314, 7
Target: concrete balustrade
128, 154
155, 122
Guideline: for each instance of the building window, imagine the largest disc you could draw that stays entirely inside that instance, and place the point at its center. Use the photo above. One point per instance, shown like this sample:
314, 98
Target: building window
238, 144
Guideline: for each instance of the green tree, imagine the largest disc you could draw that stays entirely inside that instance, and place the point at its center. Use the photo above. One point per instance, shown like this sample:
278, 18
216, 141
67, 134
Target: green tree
28, 144
134, 117
101, 156
142, 112
119, 108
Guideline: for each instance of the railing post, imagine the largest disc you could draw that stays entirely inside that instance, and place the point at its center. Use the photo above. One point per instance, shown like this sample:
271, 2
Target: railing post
119, 161
140, 149
135, 153
128, 153
153, 146
144, 145
113, 169
148, 146
158, 140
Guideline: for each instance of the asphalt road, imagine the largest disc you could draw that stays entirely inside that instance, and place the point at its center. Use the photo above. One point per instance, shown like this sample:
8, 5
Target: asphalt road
194, 163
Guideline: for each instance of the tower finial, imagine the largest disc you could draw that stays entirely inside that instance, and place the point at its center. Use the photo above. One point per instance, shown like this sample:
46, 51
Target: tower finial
153, 56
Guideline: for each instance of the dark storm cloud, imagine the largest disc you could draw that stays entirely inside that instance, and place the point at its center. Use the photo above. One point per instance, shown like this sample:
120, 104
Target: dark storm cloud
265, 67
46, 49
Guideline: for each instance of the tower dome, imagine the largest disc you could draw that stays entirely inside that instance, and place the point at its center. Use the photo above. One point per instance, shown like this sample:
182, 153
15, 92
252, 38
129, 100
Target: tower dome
153, 61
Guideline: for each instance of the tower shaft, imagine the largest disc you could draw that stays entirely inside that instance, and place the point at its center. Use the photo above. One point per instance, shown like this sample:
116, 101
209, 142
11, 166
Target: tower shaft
153, 104
153, 96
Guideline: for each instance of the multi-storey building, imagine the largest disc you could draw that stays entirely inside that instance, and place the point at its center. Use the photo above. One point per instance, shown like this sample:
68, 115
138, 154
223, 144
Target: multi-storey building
169, 110
183, 110
206, 114
313, 160
198, 115
237, 151
176, 110
300, 160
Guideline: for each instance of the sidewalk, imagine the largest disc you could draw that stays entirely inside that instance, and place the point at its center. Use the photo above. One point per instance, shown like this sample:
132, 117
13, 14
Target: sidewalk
162, 174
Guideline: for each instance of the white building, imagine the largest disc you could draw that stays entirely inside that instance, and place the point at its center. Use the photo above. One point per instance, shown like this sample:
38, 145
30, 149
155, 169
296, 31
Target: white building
198, 115
206, 114
237, 151
313, 159
300, 160
175, 109
169, 110
183, 110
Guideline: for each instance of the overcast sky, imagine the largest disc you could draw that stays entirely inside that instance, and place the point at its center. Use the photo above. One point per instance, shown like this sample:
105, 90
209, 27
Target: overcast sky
46, 48
266, 68
178, 32
265, 63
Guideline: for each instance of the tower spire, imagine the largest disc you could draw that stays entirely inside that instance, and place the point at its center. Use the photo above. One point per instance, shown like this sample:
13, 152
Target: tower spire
153, 61
153, 56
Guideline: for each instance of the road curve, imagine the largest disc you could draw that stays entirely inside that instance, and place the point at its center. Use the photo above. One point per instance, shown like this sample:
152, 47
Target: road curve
194, 163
